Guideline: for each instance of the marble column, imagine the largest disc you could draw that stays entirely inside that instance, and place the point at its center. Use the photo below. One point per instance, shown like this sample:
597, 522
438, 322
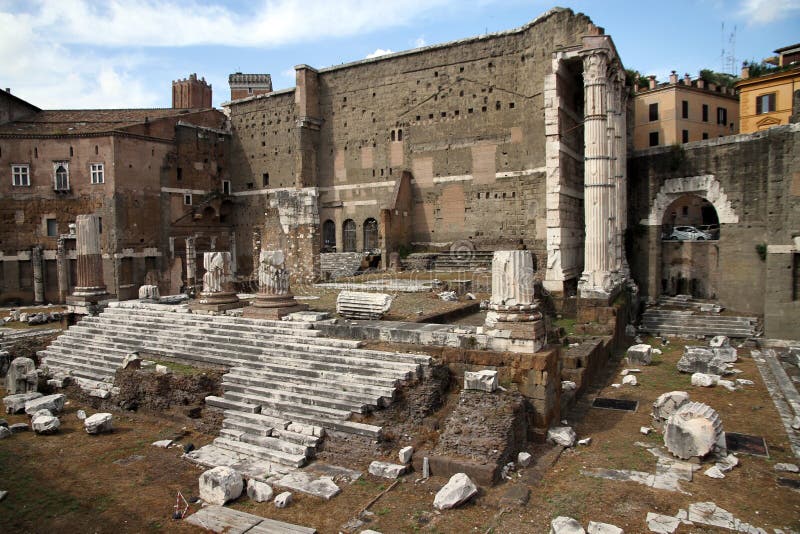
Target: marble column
217, 280
37, 263
621, 150
513, 283
273, 281
62, 266
90, 285
191, 262
596, 281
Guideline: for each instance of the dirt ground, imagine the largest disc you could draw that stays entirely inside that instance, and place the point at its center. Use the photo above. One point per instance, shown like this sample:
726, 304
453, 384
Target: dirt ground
73, 482
405, 306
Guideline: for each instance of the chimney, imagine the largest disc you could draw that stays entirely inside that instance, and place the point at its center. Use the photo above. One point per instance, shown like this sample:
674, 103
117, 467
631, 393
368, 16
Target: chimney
712, 86
652, 83
8, 90
745, 72
701, 83
687, 80
673, 78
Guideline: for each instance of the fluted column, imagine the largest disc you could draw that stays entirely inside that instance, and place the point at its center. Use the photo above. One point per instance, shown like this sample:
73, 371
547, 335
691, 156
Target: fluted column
273, 281
621, 149
38, 274
513, 288
191, 262
596, 278
217, 280
90, 284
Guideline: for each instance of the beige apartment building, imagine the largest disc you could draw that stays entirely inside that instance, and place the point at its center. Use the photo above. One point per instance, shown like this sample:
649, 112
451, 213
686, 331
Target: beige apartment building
682, 111
772, 99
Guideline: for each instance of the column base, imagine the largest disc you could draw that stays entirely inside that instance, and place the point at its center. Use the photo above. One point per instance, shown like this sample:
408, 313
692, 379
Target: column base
215, 307
273, 313
612, 283
222, 297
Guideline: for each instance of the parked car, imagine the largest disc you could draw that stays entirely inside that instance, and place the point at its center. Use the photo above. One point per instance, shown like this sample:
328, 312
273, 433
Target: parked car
688, 233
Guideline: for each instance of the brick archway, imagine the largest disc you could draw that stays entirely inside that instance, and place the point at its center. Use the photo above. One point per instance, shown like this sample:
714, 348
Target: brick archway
705, 186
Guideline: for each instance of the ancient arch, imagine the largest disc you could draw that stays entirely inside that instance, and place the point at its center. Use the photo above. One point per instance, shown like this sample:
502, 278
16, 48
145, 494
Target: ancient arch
329, 236
370, 234
705, 186
349, 236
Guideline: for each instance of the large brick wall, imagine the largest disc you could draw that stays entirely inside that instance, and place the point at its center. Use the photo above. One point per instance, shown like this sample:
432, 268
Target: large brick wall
465, 119
753, 181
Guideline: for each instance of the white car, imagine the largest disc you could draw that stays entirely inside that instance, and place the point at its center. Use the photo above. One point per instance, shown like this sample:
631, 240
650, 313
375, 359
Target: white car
688, 233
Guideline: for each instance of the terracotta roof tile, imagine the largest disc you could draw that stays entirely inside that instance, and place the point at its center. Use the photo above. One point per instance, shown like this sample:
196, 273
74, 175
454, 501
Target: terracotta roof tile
83, 121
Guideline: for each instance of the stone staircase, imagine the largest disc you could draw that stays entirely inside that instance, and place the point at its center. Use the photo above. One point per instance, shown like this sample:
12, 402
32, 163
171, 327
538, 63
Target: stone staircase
688, 323
10, 336
286, 383
463, 261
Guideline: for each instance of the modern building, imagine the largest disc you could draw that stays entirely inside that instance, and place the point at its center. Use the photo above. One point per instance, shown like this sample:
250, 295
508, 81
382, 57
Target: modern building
774, 98
681, 111
140, 170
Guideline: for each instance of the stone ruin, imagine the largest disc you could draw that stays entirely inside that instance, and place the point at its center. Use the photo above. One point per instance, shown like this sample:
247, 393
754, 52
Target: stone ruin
21, 376
274, 298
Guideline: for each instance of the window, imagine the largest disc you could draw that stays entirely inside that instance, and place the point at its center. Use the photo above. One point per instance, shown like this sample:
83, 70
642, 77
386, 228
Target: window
20, 175
179, 174
349, 236
653, 138
97, 172
653, 112
329, 236
705, 135
685, 109
722, 116
795, 276
99, 225
187, 200
765, 103
370, 234
685, 136
61, 176
705, 112
52, 228
226, 187
265, 179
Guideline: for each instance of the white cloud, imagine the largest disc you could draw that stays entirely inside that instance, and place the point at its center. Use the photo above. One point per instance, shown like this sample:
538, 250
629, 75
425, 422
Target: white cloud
419, 42
766, 11
378, 52
190, 22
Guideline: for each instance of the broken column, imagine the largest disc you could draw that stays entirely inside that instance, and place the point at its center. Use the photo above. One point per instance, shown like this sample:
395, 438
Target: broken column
90, 287
218, 293
513, 305
695, 429
38, 274
191, 262
274, 299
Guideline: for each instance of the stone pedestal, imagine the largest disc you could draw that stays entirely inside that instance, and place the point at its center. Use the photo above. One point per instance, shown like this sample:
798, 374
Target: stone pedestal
218, 293
274, 298
512, 289
90, 290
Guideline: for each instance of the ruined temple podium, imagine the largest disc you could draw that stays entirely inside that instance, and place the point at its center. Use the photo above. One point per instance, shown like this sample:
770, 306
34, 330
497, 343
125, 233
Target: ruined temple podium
274, 298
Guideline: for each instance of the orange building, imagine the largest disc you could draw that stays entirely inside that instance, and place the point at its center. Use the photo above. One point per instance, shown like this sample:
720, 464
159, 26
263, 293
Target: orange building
772, 99
681, 111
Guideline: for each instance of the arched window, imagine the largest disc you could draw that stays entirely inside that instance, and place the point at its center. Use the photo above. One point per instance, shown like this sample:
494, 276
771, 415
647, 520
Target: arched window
370, 234
329, 236
62, 178
349, 236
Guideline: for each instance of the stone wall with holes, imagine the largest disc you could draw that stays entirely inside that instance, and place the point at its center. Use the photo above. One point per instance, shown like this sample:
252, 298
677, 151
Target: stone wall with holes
753, 182
466, 119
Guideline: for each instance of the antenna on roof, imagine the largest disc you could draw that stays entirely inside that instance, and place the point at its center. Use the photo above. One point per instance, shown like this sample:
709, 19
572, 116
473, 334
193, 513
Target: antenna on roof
727, 57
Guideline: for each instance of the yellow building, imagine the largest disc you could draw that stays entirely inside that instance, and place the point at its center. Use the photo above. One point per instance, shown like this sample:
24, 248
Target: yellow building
769, 100
681, 111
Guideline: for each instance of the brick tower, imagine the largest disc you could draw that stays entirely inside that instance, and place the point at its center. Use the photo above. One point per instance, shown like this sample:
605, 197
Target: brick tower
244, 85
191, 93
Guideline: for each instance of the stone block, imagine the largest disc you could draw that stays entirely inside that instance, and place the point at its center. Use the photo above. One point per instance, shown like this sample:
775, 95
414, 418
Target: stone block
603, 528
719, 341
458, 490
386, 470
220, 485
259, 491
524, 459
704, 380
641, 354
16, 403
485, 380
694, 430
283, 500
98, 423
565, 525
21, 376
668, 403
405, 454
562, 435
45, 424
149, 293
701, 360
54, 403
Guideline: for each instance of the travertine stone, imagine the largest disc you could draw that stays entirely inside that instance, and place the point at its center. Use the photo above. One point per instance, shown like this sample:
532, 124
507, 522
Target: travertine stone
641, 354
98, 423
386, 470
565, 525
458, 490
45, 424
259, 491
90, 285
16, 403
54, 403
485, 380
21, 376
220, 485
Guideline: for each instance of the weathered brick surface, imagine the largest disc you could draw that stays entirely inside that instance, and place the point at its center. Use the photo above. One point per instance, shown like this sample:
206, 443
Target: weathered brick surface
755, 176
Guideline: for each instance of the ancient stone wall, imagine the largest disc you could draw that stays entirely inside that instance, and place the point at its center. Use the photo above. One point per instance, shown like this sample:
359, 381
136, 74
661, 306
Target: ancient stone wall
465, 118
753, 182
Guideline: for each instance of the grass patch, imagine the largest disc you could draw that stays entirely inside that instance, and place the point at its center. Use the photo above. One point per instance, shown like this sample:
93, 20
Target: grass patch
181, 368
567, 323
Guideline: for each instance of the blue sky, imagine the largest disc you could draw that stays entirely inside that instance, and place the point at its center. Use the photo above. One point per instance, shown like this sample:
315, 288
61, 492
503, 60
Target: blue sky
125, 53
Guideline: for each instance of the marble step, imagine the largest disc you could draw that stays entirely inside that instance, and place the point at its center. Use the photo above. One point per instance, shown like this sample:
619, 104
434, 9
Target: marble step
291, 406
212, 319
388, 389
227, 404
258, 451
268, 395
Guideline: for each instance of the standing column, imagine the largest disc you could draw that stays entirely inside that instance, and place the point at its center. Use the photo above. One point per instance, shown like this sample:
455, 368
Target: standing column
38, 275
62, 267
273, 287
596, 280
217, 280
191, 262
622, 170
90, 284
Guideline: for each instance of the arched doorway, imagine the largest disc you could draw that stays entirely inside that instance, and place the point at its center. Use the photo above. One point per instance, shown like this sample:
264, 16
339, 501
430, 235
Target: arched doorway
329, 236
349, 236
370, 235
689, 249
